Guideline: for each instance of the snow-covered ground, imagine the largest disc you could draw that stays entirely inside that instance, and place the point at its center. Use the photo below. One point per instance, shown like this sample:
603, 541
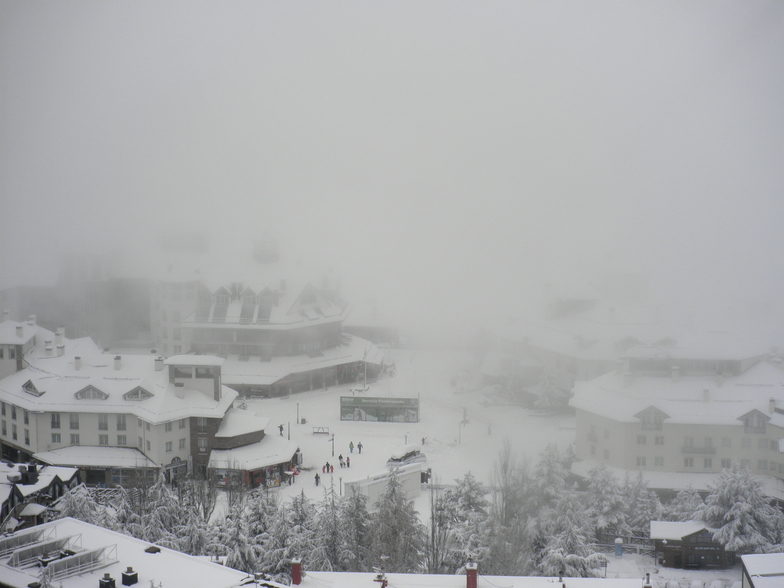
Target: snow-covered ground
636, 566
452, 449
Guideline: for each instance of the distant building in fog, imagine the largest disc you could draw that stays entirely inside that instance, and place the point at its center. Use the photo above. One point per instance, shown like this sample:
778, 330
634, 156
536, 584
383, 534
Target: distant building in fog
682, 411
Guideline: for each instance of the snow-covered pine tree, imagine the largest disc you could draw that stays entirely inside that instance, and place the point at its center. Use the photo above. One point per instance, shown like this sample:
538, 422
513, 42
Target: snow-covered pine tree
329, 551
605, 503
78, 504
567, 549
355, 524
548, 395
162, 515
742, 515
549, 477
643, 506
684, 505
396, 531
232, 540
439, 536
464, 508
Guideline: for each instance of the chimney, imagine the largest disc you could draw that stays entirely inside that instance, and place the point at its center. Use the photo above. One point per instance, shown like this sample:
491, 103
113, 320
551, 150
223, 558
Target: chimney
58, 336
60, 350
117, 362
31, 320
296, 571
647, 583
772, 405
107, 581
129, 577
77, 363
19, 331
470, 575
159, 363
706, 395
6, 314
179, 390
49, 348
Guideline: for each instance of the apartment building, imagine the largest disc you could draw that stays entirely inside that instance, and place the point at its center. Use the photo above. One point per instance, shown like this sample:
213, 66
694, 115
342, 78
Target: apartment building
692, 408
116, 417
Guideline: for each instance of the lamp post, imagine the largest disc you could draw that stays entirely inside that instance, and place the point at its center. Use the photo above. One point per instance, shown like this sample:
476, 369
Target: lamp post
333, 444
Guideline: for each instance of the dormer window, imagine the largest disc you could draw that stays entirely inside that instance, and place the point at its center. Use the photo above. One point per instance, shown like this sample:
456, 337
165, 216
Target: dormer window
651, 419
137, 393
754, 422
91, 393
30, 388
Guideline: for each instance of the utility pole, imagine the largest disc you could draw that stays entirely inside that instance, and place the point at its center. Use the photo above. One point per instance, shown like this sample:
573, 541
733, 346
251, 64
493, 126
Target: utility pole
333, 444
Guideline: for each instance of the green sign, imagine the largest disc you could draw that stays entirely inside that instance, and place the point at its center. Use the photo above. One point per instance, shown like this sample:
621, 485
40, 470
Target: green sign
379, 409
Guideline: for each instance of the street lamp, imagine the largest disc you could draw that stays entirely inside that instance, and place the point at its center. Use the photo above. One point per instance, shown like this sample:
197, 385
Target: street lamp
333, 444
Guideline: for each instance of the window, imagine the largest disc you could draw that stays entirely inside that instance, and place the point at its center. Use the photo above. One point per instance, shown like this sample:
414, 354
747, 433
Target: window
122, 440
183, 372
13, 412
762, 464
641, 439
137, 393
55, 438
5, 430
168, 446
708, 463
26, 418
13, 432
74, 439
658, 461
202, 444
1, 351
762, 444
688, 442
147, 426
120, 422
11, 352
754, 422
148, 445
774, 445
688, 462
641, 461
183, 423
139, 444
709, 442
91, 393
182, 443
726, 464
167, 427
2, 408
103, 439
27, 436
206, 372
139, 422
745, 443
201, 425
103, 422
74, 420
726, 442
55, 420
659, 440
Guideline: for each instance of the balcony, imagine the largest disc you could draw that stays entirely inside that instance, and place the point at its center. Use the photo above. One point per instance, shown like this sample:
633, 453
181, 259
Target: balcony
699, 450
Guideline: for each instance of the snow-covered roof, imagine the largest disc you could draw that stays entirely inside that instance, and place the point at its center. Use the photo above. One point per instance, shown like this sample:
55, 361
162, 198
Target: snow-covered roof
194, 360
170, 568
265, 373
240, 422
32, 509
366, 580
691, 399
9, 336
91, 456
269, 451
51, 383
675, 531
765, 570
45, 474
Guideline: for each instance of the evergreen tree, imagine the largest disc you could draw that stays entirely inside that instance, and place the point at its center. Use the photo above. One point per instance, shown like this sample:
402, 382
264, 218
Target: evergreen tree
684, 505
162, 516
329, 552
396, 531
463, 510
548, 395
567, 549
355, 525
78, 504
605, 504
643, 506
550, 476
232, 541
742, 515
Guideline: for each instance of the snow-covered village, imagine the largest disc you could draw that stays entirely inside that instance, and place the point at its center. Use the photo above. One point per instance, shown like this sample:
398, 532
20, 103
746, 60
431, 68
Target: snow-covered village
391, 295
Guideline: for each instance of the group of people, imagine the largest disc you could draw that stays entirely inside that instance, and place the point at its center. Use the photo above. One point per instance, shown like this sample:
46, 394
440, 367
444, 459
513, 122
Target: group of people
328, 468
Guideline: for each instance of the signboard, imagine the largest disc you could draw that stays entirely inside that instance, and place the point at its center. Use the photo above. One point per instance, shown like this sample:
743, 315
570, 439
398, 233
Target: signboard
379, 409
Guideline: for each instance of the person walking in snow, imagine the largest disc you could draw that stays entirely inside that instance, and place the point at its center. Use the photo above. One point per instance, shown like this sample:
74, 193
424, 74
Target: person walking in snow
331, 469
340, 460
359, 447
351, 446
280, 428
348, 461
317, 479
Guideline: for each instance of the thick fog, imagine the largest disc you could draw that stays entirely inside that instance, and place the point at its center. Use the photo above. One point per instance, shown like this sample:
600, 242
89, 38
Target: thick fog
446, 159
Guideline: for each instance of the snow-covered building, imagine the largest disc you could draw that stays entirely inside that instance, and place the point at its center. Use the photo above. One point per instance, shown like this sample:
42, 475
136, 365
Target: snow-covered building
689, 545
683, 411
279, 330
117, 418
74, 554
763, 570
25, 484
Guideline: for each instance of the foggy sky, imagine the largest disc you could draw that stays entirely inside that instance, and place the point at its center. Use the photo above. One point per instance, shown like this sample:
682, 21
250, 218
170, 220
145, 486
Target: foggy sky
444, 157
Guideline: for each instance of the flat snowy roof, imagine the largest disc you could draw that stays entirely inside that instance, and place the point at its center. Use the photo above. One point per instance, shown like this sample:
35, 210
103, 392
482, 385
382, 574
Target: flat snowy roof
92, 456
766, 570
